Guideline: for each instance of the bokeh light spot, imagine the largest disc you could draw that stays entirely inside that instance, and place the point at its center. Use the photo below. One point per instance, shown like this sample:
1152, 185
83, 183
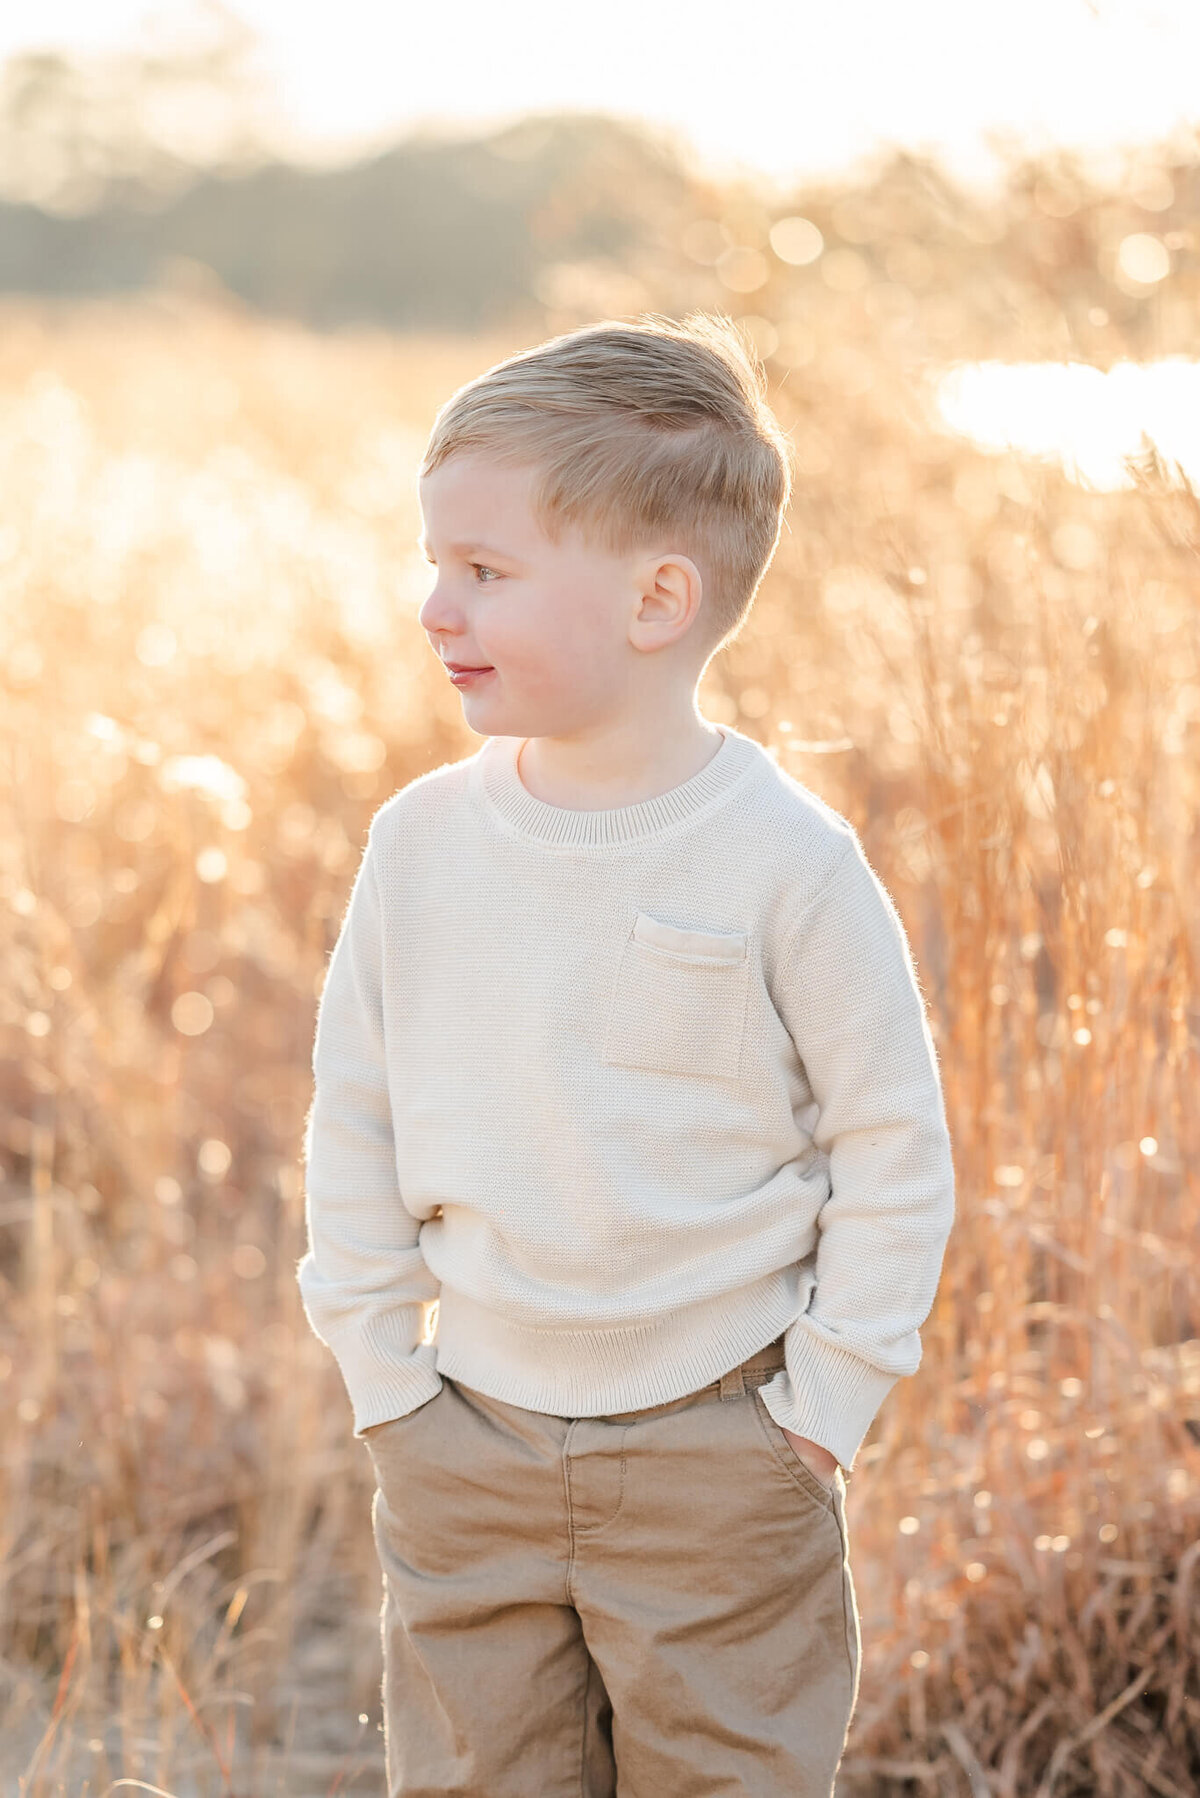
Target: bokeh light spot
796, 240
1144, 259
192, 1013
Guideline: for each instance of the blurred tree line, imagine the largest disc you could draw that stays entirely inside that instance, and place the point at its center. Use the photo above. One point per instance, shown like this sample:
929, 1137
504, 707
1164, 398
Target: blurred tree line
160, 163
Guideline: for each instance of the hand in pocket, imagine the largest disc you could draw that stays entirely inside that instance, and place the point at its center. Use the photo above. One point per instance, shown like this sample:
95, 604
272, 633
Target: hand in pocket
818, 1460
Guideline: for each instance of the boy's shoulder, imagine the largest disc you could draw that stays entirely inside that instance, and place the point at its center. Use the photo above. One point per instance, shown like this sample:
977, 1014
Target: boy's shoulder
797, 801
423, 800
805, 827
793, 830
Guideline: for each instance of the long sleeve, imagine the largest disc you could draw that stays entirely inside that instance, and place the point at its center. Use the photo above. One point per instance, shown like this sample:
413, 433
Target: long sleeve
363, 1280
850, 999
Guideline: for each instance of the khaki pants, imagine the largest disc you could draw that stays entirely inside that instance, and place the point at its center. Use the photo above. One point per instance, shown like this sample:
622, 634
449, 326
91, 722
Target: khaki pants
653, 1605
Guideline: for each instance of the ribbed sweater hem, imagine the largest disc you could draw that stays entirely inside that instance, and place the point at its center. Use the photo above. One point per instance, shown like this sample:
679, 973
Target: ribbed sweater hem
592, 1373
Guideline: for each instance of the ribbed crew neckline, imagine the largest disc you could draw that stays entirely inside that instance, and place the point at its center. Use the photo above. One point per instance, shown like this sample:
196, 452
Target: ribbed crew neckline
560, 826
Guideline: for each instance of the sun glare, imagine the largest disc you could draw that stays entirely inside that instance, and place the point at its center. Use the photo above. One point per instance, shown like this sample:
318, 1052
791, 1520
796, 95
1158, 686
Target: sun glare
1088, 420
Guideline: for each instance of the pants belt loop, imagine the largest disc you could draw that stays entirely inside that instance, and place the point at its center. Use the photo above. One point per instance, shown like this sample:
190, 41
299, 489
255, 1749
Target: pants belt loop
732, 1384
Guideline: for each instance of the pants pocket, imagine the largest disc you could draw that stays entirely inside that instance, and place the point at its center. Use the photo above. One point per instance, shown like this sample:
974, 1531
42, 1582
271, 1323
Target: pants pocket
809, 1483
382, 1437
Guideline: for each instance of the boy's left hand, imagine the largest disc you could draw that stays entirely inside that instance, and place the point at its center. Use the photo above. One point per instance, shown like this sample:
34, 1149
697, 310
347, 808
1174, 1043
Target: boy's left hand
818, 1460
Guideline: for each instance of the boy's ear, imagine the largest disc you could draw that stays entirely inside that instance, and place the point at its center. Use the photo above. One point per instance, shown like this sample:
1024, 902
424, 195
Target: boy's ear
672, 589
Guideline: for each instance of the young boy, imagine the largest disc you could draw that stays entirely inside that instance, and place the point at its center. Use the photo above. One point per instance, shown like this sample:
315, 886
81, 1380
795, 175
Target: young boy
621, 1058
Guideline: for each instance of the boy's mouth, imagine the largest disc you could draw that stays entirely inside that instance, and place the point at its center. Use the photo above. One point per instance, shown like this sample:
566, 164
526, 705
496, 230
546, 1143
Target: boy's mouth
461, 675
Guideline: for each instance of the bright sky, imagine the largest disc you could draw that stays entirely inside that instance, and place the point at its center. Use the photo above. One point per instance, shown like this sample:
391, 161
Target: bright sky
790, 87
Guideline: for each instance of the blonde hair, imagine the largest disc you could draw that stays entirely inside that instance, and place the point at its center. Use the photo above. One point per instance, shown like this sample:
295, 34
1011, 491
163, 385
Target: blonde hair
639, 430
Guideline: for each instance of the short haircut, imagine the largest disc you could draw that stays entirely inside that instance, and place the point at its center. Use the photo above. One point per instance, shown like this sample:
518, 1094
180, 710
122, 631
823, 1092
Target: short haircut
641, 431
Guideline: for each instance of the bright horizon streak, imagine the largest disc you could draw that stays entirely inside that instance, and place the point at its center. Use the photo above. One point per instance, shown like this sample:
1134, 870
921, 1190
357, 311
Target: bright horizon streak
1084, 418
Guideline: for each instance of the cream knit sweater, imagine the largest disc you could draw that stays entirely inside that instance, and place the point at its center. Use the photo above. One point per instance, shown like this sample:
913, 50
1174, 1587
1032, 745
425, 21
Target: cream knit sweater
629, 1093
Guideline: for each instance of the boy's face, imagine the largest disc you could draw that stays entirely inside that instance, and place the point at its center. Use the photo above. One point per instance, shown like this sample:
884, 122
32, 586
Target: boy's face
550, 621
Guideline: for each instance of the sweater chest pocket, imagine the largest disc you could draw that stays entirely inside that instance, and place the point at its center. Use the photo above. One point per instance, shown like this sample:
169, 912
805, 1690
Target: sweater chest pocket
679, 1001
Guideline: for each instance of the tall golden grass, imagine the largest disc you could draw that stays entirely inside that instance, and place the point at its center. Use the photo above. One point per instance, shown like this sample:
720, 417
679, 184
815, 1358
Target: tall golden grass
212, 673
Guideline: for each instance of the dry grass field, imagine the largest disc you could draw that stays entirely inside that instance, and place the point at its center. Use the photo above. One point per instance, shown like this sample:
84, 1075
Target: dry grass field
211, 673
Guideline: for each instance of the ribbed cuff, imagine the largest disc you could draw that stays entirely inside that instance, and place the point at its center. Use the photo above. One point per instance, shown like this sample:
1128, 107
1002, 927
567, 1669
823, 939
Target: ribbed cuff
825, 1393
386, 1368
399, 1390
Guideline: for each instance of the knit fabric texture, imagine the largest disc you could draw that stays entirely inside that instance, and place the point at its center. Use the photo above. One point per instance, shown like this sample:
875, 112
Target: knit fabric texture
629, 1093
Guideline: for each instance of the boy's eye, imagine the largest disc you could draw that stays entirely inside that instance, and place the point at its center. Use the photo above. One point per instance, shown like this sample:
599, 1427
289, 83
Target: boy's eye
480, 568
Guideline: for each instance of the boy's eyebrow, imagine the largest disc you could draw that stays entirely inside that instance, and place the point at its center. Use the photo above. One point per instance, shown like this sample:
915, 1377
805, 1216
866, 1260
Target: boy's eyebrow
467, 549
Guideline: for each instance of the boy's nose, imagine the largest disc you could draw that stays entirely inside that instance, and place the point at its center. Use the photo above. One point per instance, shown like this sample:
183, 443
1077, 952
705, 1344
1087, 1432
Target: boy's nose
435, 615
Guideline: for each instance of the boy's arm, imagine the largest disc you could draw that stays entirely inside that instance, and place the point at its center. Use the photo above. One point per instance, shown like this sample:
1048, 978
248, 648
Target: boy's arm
849, 996
364, 1278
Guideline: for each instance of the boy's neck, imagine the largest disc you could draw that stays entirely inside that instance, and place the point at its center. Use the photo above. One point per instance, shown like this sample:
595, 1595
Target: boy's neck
546, 773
